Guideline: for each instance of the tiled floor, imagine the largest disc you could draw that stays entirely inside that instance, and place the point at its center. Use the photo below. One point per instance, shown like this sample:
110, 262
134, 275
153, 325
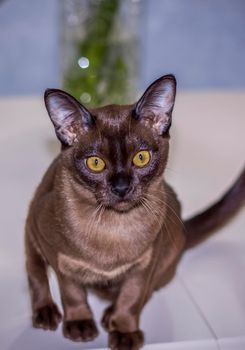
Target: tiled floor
203, 308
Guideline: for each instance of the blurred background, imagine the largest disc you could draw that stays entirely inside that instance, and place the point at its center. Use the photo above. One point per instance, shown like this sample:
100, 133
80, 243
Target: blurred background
99, 48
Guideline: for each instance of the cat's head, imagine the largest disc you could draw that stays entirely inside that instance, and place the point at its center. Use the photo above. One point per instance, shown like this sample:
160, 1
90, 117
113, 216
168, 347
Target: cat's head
116, 152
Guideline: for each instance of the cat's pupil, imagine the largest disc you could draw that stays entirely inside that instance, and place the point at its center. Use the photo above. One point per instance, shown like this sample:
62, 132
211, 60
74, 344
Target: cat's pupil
141, 157
96, 162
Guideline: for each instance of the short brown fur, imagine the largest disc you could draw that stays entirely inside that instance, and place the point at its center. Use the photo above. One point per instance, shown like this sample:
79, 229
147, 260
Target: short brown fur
124, 252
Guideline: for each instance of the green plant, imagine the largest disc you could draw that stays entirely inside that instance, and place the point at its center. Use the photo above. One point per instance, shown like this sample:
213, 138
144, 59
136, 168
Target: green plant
104, 78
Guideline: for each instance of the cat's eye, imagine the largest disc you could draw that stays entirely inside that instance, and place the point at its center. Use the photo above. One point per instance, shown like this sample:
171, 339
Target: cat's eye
95, 164
142, 158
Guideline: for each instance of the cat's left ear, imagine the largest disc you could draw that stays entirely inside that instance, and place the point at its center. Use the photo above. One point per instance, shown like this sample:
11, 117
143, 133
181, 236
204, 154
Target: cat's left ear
154, 109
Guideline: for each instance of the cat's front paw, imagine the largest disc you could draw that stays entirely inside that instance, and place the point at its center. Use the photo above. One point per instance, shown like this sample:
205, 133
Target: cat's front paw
105, 322
126, 341
80, 330
46, 317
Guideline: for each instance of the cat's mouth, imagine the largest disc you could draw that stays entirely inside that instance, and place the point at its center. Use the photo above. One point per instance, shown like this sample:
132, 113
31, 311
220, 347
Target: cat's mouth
120, 205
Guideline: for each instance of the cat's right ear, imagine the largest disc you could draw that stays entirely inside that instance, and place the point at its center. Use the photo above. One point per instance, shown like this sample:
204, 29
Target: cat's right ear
69, 117
154, 109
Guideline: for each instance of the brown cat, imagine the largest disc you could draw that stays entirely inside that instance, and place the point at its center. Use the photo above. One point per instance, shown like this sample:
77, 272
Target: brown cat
104, 218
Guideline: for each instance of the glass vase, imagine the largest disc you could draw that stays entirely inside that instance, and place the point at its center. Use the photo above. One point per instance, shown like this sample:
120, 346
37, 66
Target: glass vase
100, 44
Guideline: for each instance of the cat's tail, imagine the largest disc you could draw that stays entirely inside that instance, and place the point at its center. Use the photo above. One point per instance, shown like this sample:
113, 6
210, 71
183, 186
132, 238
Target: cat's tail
203, 225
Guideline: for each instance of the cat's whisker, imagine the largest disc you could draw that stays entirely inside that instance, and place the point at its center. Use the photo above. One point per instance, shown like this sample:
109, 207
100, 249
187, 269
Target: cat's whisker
142, 200
100, 214
153, 211
167, 205
170, 236
163, 204
175, 215
149, 202
92, 219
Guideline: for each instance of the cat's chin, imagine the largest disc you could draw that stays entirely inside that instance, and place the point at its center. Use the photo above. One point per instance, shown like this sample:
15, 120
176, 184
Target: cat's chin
123, 206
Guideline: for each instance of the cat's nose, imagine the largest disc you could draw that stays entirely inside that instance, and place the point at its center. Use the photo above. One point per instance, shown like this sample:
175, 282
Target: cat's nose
120, 185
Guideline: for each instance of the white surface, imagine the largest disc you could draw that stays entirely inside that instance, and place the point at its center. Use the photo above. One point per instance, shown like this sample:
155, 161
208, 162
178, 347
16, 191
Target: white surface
232, 344
204, 306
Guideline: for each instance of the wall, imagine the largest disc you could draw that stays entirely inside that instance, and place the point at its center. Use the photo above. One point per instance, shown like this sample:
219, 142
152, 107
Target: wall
201, 41
29, 46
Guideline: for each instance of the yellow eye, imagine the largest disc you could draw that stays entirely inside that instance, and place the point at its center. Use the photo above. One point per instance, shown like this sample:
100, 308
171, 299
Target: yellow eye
142, 158
95, 164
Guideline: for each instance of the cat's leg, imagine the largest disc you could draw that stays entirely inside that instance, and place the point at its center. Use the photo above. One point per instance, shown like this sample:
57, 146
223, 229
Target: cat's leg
121, 319
78, 324
45, 313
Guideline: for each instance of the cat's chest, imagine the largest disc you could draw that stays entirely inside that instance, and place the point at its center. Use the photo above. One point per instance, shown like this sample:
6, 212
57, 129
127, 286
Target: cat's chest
104, 246
89, 272
112, 240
